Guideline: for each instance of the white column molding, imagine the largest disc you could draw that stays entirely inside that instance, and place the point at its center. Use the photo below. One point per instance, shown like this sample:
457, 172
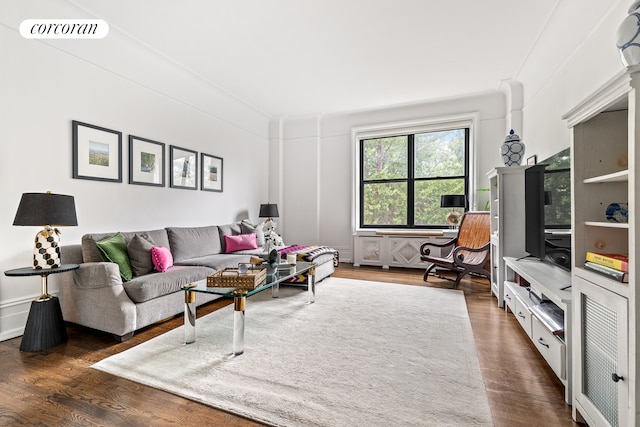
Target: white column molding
514, 93
276, 166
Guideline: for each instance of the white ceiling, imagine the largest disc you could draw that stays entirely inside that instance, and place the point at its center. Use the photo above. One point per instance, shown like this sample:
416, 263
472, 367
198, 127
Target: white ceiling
297, 57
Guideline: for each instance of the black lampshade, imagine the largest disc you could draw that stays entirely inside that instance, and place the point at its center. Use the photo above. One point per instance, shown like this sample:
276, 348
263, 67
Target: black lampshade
269, 210
452, 201
46, 209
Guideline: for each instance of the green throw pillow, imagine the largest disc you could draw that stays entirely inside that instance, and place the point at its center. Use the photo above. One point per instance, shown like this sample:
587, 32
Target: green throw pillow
114, 249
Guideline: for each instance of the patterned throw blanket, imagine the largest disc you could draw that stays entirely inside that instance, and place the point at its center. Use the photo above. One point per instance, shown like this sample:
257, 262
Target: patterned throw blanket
308, 254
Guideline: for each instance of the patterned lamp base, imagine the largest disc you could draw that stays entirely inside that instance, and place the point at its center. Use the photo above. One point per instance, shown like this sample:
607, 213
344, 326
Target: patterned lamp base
46, 253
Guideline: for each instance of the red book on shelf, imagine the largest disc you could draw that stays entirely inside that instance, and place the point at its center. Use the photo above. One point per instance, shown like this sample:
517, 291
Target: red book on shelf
617, 261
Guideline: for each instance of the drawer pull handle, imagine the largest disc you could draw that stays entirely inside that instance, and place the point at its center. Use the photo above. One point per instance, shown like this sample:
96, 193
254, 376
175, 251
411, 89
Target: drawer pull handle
541, 341
521, 315
615, 377
507, 296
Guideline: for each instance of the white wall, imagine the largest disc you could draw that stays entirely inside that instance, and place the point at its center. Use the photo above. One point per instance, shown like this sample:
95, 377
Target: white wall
317, 169
571, 58
586, 58
118, 84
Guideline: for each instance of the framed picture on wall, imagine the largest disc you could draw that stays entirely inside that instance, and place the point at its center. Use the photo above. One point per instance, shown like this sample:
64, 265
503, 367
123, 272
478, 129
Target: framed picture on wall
183, 166
532, 160
97, 152
211, 174
146, 162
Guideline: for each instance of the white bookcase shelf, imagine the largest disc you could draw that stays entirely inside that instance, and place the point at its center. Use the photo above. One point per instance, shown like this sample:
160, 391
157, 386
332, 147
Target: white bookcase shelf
507, 222
621, 176
606, 224
605, 133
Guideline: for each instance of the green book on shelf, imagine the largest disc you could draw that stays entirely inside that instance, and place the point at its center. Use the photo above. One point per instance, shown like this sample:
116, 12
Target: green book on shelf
612, 273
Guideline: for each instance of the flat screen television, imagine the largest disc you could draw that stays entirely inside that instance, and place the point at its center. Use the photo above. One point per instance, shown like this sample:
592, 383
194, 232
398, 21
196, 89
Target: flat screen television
534, 238
548, 210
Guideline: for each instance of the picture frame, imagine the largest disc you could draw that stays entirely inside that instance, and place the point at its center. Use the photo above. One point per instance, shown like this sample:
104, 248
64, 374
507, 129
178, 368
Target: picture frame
146, 162
532, 160
211, 173
183, 168
97, 152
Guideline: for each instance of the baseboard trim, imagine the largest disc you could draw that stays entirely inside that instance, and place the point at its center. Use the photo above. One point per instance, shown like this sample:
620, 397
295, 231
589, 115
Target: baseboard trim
13, 317
14, 333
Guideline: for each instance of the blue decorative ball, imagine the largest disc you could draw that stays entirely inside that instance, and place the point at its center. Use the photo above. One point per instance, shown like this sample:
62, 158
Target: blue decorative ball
618, 212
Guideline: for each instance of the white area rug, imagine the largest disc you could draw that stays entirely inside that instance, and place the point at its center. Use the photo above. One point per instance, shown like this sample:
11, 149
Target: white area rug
366, 354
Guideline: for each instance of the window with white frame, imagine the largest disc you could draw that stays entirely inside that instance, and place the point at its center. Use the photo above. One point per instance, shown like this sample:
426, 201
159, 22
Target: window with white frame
403, 176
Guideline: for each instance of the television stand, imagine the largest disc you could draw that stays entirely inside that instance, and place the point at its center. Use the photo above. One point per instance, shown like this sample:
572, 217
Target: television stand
552, 285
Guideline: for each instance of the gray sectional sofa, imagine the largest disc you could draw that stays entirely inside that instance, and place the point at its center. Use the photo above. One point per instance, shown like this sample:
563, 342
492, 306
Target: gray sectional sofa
96, 296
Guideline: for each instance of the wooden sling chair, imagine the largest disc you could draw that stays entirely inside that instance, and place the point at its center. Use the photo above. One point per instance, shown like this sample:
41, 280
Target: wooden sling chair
470, 250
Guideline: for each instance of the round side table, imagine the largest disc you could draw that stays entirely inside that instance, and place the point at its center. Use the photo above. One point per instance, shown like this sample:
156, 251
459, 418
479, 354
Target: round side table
45, 325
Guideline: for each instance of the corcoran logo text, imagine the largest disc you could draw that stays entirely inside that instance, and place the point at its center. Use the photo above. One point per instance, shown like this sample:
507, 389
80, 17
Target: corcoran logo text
64, 28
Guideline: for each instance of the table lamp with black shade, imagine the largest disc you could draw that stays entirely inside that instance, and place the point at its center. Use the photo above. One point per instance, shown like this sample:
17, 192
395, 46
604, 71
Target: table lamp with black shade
269, 211
48, 210
453, 201
45, 326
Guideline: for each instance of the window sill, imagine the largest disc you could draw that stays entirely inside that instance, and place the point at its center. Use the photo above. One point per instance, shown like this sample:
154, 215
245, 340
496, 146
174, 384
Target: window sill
449, 232
410, 233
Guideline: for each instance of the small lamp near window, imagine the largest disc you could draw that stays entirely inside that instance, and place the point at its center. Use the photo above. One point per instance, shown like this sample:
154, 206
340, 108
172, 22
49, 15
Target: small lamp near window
46, 209
270, 211
453, 201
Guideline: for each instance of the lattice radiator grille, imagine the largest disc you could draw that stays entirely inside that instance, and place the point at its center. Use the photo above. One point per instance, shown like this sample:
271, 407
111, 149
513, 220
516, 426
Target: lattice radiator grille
600, 358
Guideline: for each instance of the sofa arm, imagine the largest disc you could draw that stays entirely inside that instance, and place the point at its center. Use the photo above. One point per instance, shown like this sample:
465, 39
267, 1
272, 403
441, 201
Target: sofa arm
96, 298
93, 275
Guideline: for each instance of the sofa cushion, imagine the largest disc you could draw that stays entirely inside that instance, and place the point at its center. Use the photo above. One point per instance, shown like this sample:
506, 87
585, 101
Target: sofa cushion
162, 258
240, 242
218, 262
228, 230
139, 249
192, 242
90, 252
255, 252
114, 249
153, 285
248, 228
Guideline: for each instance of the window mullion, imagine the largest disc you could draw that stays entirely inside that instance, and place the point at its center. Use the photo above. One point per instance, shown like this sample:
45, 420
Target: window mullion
362, 182
410, 181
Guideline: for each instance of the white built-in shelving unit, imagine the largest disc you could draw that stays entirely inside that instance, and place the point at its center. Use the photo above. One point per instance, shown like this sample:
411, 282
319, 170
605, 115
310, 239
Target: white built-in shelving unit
507, 222
605, 136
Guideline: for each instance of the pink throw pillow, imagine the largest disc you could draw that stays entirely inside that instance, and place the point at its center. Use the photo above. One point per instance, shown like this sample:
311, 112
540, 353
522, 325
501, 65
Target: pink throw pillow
240, 242
162, 258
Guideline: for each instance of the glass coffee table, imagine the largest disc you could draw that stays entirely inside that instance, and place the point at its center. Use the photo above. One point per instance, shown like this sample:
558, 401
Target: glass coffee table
275, 276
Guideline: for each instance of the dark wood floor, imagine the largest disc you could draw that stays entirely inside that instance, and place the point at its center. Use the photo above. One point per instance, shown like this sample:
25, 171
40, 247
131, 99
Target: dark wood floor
58, 387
